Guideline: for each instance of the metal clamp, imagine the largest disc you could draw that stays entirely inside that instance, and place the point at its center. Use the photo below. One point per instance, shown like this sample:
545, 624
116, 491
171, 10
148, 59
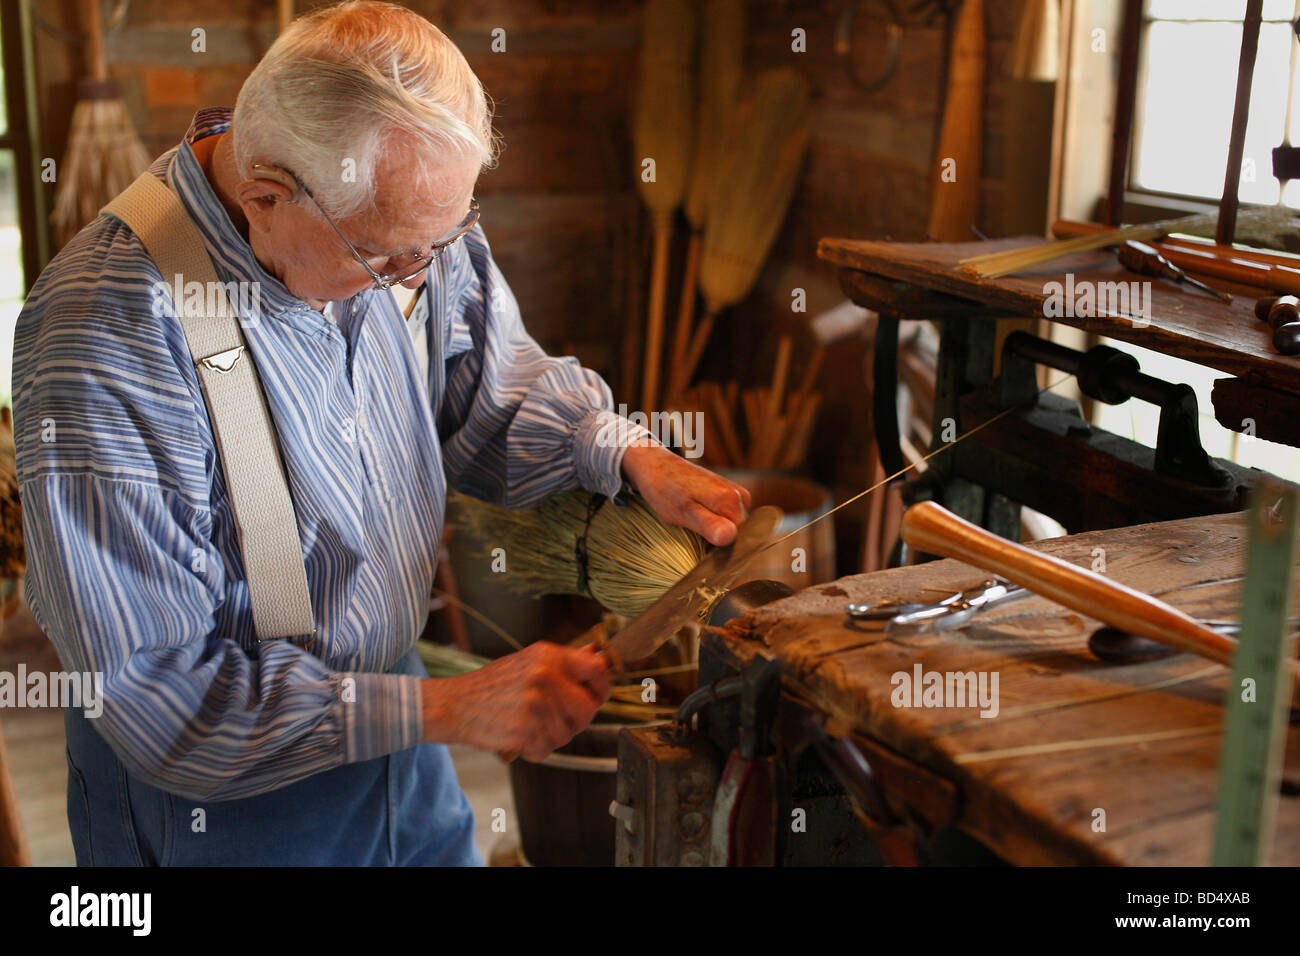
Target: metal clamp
223, 362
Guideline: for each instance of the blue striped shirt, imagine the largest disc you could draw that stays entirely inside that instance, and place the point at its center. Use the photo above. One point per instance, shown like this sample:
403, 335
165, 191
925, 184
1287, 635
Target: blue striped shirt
134, 566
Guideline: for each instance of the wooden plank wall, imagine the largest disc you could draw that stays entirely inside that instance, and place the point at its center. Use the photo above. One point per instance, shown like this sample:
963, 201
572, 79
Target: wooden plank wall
561, 210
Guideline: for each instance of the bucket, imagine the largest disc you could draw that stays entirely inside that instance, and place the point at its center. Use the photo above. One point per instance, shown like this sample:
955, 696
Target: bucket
563, 802
808, 557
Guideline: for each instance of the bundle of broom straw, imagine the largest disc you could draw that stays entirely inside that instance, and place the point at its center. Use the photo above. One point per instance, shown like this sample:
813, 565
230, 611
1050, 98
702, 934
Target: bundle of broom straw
1271, 220
764, 150
104, 153
632, 556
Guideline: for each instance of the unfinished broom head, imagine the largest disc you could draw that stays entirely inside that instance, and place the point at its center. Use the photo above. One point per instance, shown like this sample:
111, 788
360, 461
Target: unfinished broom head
663, 127
762, 155
580, 543
722, 63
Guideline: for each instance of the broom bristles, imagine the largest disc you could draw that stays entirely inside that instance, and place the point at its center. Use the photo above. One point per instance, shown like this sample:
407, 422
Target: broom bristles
632, 556
722, 58
665, 101
764, 153
104, 156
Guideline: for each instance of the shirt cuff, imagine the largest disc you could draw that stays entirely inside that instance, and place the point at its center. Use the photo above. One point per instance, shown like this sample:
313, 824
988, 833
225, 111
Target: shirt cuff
381, 714
600, 442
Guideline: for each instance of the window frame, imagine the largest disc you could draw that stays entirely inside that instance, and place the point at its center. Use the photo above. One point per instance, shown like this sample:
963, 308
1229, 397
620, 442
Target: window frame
1162, 203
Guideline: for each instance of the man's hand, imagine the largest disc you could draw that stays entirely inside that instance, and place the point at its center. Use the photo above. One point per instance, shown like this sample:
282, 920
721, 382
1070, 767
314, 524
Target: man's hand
685, 494
529, 702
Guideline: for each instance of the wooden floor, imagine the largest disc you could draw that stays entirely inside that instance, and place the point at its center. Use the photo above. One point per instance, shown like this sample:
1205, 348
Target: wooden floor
36, 746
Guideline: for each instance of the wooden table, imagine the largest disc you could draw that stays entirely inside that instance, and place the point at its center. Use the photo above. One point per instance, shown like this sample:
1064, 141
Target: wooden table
1072, 735
925, 280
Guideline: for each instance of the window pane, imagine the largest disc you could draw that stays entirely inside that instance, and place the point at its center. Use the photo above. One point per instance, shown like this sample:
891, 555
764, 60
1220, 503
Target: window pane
11, 270
1189, 87
1215, 9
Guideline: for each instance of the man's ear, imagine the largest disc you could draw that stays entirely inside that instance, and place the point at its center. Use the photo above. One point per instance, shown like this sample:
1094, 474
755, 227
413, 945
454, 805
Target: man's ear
259, 195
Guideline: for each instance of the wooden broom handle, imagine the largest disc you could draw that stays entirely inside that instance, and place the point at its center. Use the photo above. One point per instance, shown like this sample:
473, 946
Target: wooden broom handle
96, 61
930, 527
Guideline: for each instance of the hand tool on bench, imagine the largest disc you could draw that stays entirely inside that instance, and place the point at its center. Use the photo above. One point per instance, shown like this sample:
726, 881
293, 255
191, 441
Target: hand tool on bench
952, 612
928, 526
1145, 260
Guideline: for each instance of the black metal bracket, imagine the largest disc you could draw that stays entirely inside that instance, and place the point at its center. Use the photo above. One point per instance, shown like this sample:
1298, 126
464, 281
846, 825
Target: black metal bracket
1114, 377
759, 688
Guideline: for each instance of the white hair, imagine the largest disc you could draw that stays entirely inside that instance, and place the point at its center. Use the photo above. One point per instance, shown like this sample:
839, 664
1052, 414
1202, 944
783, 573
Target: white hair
346, 83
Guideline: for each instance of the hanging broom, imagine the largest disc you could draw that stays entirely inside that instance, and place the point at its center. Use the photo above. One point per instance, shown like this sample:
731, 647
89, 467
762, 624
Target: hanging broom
722, 60
104, 153
762, 154
632, 557
663, 134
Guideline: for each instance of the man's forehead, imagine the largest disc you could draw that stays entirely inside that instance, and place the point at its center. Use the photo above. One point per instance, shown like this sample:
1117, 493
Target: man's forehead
414, 203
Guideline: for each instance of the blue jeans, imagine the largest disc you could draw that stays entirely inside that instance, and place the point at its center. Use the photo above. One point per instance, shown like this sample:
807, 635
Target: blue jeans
406, 809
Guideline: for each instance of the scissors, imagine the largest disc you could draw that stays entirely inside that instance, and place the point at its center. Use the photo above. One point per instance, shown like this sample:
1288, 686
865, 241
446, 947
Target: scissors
953, 611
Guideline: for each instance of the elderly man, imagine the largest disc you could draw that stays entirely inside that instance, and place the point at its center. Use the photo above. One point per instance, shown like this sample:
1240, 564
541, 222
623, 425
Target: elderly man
355, 142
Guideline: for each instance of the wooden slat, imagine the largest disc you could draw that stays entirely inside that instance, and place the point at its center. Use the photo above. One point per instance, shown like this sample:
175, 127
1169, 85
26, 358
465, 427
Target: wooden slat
1139, 741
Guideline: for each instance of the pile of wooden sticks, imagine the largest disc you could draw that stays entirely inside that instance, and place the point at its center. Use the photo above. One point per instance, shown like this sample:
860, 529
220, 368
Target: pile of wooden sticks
778, 425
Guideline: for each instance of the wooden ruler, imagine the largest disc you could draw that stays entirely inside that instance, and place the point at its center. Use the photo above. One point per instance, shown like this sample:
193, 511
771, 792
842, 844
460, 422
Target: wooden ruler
1259, 696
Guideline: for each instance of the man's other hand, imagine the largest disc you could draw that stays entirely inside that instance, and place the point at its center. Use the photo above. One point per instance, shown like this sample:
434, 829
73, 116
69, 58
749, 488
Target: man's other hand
685, 494
530, 702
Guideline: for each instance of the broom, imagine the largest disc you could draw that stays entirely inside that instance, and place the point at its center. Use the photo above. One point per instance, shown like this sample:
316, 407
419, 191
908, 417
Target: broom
632, 557
104, 153
663, 134
722, 56
757, 176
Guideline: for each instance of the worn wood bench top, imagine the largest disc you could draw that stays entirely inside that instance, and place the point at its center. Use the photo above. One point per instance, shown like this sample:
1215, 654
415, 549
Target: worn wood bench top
1183, 321
1072, 734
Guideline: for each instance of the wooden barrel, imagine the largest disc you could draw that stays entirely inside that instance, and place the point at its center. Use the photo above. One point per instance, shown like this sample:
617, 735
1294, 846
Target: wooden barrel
808, 557
563, 802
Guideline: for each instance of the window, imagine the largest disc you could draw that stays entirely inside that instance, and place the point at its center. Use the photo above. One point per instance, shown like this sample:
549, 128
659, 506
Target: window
1187, 85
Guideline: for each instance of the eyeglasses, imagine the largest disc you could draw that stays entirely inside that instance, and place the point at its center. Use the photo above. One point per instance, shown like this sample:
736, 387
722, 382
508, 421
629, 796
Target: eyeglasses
408, 264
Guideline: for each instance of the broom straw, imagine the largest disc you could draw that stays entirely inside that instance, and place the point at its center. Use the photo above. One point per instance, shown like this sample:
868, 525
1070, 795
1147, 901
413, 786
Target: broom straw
104, 153
632, 556
663, 134
996, 264
722, 56
757, 177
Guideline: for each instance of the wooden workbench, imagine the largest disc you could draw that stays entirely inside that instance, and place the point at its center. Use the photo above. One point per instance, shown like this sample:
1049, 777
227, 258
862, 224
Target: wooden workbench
1073, 734
918, 279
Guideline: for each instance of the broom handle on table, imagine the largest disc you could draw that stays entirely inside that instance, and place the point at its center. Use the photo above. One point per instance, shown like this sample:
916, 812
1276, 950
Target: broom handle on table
930, 527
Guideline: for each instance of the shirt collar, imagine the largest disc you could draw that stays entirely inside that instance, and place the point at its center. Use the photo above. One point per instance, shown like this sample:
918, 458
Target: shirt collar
224, 241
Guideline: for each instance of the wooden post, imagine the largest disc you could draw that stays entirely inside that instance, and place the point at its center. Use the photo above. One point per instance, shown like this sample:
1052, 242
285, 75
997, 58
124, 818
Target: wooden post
1240, 115
13, 841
